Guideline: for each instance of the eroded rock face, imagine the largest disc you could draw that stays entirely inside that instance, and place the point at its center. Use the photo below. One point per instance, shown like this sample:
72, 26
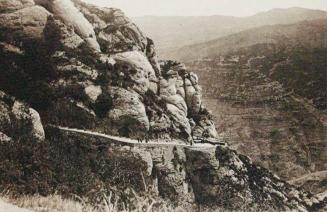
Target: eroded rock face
135, 71
221, 179
66, 11
115, 32
128, 112
96, 63
25, 23
13, 5
181, 91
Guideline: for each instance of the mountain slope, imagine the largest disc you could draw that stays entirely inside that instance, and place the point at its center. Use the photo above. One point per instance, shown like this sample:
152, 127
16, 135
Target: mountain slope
267, 88
181, 31
306, 34
298, 48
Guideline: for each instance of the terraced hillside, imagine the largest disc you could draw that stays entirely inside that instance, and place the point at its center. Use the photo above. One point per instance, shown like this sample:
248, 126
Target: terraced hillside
269, 102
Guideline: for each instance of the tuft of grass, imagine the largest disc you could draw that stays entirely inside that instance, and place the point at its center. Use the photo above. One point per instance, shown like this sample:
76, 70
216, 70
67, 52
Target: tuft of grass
113, 202
50, 203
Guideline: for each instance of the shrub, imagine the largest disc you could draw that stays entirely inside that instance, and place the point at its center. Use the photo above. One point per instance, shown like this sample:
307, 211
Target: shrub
103, 104
274, 133
67, 165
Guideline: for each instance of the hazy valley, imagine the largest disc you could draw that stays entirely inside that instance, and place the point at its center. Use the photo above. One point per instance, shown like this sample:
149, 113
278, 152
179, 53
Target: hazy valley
182, 31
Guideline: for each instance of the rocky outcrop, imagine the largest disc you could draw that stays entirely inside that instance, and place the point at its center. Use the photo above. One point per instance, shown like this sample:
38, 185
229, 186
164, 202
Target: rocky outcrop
13, 5
25, 23
136, 72
17, 120
66, 11
128, 112
96, 63
181, 91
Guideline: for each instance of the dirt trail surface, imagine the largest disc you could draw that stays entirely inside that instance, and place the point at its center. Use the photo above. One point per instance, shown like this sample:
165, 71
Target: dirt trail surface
129, 141
311, 176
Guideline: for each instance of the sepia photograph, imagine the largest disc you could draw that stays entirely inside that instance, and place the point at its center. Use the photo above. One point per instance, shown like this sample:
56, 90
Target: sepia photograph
163, 106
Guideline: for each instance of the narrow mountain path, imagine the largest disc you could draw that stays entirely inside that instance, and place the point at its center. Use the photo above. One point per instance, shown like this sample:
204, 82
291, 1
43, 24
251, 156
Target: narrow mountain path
130, 141
312, 110
312, 176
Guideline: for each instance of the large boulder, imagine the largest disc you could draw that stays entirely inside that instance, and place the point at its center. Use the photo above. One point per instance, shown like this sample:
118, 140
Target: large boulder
115, 32
7, 6
135, 70
57, 35
18, 120
183, 95
193, 93
128, 112
24, 24
66, 11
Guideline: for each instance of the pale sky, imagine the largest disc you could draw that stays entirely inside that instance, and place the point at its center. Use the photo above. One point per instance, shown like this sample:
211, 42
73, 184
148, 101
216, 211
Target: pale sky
205, 7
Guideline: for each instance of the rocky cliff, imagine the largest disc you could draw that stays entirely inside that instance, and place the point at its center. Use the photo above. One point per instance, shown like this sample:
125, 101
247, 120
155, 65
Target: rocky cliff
86, 67
191, 178
72, 58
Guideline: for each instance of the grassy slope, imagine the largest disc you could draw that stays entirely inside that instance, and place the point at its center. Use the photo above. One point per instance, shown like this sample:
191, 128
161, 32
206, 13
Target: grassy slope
73, 175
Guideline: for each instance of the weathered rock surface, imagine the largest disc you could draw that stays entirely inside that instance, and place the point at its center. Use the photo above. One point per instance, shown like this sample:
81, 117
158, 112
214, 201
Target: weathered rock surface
13, 5
135, 71
18, 120
115, 32
127, 112
66, 11
27, 22
96, 63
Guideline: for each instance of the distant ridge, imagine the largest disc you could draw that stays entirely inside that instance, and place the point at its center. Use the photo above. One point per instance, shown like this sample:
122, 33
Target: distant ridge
177, 31
297, 34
